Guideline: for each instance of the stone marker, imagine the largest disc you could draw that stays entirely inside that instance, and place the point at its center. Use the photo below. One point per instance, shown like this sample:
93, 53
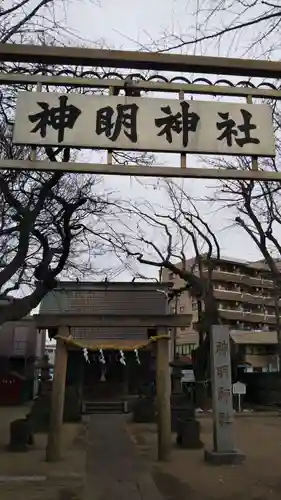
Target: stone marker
224, 451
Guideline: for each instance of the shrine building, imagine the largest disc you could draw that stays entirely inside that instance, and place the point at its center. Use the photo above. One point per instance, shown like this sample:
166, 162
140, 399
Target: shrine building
108, 328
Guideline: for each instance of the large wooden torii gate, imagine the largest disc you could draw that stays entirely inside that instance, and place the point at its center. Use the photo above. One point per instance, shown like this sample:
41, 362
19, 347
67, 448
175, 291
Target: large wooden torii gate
154, 61
132, 84
64, 322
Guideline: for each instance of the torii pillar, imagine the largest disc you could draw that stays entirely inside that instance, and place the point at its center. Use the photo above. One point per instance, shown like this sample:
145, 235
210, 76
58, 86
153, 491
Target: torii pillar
163, 391
54, 444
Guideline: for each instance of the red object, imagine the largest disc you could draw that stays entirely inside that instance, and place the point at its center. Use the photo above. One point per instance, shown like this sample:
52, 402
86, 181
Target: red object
11, 386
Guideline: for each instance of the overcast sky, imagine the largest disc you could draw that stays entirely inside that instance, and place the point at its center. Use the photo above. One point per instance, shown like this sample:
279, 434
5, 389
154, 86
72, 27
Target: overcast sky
140, 25
132, 25
135, 25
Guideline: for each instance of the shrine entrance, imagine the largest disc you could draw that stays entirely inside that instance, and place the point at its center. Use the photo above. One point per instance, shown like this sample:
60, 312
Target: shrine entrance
160, 324
103, 383
113, 361
117, 379
202, 127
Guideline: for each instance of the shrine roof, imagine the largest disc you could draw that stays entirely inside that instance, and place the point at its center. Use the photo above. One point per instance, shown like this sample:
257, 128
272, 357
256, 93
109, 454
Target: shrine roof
114, 285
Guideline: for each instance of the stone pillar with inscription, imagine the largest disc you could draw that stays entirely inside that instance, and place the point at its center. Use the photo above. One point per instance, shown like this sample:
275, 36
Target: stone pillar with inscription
224, 451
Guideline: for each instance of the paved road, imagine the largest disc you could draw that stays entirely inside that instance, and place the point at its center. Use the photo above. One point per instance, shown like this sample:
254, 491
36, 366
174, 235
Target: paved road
114, 469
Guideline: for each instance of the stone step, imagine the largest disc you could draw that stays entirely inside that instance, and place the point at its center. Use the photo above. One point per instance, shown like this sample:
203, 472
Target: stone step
115, 407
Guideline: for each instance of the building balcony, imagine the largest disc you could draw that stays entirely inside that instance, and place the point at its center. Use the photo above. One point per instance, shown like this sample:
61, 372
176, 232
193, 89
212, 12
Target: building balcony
236, 277
254, 337
249, 316
245, 297
187, 337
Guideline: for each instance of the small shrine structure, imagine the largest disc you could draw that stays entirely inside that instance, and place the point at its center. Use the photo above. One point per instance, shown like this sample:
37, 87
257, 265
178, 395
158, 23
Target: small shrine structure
104, 332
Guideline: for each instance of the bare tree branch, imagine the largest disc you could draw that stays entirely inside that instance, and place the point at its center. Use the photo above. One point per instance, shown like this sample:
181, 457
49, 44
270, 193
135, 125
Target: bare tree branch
220, 33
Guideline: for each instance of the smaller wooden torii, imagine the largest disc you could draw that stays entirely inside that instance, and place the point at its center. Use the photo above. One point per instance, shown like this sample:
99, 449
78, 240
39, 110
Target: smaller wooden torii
64, 322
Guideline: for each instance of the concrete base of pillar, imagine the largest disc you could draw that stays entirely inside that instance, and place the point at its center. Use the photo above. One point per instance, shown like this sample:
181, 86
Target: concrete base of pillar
234, 457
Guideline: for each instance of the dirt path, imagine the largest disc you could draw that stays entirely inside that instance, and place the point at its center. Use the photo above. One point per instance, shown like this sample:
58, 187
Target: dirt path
188, 476
114, 468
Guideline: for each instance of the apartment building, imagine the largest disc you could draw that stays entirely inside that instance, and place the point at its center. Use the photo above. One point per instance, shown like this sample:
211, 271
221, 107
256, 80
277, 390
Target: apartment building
20, 344
246, 301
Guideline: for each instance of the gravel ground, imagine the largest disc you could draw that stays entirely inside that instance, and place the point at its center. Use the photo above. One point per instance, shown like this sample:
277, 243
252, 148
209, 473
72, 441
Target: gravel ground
188, 476
27, 476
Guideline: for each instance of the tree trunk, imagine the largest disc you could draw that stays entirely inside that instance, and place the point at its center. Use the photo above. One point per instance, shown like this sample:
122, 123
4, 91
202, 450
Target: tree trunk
201, 370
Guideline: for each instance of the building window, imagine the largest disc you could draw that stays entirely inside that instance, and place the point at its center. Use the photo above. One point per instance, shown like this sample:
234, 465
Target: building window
185, 349
181, 309
249, 349
182, 328
256, 349
194, 306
